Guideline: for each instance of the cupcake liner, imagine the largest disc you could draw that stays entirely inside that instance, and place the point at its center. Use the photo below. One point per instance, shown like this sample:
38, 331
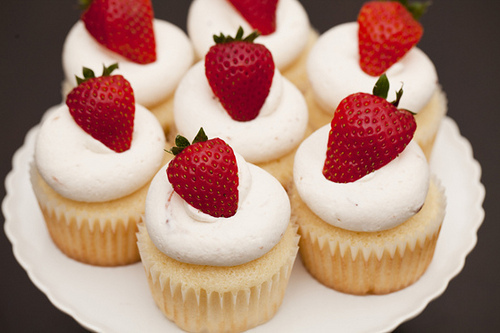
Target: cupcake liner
101, 234
370, 263
219, 299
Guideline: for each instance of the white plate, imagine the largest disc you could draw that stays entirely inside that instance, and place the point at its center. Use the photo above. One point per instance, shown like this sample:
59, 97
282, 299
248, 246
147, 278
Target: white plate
118, 299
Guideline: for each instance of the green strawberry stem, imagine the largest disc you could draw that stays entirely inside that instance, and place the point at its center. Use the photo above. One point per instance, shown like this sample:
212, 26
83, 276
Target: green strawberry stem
89, 74
181, 142
381, 89
84, 4
416, 8
221, 39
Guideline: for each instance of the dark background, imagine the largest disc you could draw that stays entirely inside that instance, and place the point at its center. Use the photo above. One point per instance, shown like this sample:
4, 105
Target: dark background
462, 41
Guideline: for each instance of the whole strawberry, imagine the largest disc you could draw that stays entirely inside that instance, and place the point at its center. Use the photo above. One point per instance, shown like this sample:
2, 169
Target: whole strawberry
367, 132
104, 107
123, 26
387, 31
260, 14
240, 73
205, 175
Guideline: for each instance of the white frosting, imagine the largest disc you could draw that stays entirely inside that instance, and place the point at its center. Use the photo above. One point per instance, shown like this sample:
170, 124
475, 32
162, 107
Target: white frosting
211, 17
277, 130
188, 235
334, 72
380, 200
152, 83
82, 168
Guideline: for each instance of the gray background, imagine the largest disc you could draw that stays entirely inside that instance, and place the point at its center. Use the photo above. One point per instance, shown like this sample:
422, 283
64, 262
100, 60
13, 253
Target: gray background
462, 41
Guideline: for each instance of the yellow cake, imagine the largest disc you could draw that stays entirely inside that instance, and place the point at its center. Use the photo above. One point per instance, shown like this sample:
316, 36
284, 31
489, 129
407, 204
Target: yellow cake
92, 169
369, 262
217, 271
368, 208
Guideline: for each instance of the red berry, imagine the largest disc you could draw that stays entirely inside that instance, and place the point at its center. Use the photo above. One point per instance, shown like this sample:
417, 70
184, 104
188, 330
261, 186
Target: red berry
124, 27
260, 14
104, 107
240, 74
387, 31
205, 175
367, 132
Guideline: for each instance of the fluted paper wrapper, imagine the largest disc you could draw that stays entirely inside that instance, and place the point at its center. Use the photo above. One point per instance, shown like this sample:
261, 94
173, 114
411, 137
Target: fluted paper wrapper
219, 299
102, 234
370, 262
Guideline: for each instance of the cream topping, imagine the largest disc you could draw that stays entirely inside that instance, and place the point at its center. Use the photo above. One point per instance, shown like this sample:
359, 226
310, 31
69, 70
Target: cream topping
152, 83
82, 168
334, 72
191, 236
277, 130
381, 200
211, 17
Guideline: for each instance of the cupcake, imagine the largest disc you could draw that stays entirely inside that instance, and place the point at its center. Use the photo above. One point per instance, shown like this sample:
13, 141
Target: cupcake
153, 59
345, 59
217, 244
368, 209
246, 102
94, 159
284, 26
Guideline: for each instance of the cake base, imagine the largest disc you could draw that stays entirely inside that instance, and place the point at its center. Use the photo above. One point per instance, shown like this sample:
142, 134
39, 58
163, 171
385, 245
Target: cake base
370, 262
219, 299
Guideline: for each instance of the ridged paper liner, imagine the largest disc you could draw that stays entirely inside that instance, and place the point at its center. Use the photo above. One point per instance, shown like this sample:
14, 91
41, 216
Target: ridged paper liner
428, 119
370, 263
102, 234
219, 299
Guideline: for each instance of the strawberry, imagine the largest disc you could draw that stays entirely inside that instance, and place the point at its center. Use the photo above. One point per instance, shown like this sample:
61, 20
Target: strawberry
205, 174
387, 31
367, 132
123, 26
240, 73
260, 14
104, 107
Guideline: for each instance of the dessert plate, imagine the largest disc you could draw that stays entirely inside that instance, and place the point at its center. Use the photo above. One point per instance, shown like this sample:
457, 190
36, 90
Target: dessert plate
118, 299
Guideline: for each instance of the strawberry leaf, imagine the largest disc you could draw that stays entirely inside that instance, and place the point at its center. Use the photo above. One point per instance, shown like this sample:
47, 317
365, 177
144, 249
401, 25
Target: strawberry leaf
381, 87
200, 137
416, 8
181, 142
89, 73
221, 39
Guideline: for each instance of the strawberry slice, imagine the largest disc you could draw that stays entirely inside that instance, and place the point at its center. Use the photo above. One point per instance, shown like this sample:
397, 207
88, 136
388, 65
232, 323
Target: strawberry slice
104, 107
387, 31
123, 26
260, 14
240, 73
205, 174
367, 132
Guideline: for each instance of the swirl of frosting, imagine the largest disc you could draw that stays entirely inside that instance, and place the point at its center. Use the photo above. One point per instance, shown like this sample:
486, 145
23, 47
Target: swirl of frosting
380, 200
277, 130
334, 71
82, 168
152, 83
191, 236
211, 17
